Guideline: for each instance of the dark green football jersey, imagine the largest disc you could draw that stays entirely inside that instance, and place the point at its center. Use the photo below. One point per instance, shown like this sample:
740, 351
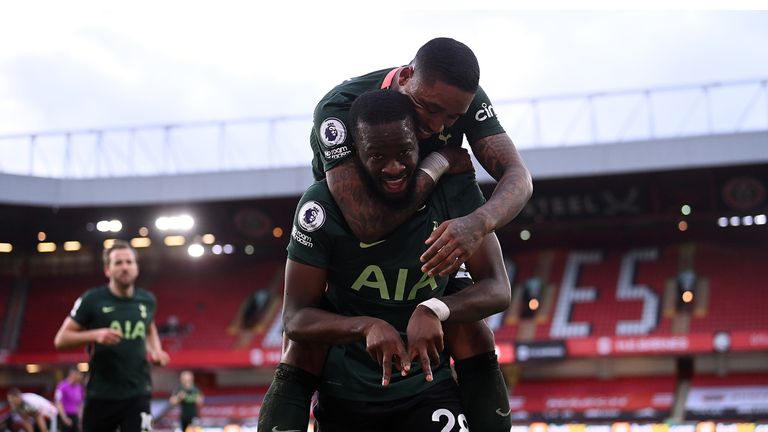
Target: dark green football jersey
189, 403
331, 142
381, 279
120, 371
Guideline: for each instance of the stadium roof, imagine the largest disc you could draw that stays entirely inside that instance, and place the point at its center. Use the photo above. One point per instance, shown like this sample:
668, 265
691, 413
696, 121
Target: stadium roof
544, 163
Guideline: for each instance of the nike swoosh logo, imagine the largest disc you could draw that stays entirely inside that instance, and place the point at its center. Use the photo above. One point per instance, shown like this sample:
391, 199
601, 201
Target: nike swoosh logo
503, 414
367, 245
275, 429
107, 309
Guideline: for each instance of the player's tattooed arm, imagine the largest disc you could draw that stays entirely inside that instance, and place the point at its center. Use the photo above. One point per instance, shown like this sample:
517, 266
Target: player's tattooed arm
455, 240
367, 217
498, 155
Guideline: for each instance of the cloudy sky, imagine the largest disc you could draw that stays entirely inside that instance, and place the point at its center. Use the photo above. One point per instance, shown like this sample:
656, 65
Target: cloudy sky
70, 65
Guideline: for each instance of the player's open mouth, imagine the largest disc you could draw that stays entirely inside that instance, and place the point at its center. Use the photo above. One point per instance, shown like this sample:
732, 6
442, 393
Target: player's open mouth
395, 185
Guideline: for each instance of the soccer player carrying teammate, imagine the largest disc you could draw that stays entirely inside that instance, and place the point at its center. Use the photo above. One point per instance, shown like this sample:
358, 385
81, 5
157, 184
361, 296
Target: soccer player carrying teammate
377, 297
442, 84
117, 322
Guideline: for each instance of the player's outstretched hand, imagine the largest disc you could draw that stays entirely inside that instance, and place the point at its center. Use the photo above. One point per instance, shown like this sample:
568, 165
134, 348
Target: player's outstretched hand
458, 159
108, 336
425, 339
159, 358
452, 243
385, 346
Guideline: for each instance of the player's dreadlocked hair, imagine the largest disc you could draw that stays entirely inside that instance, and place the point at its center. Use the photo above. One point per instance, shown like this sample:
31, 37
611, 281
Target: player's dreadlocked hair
379, 107
450, 61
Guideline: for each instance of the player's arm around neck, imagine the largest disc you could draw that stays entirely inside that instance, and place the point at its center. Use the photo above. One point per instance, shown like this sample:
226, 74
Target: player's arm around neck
498, 155
367, 217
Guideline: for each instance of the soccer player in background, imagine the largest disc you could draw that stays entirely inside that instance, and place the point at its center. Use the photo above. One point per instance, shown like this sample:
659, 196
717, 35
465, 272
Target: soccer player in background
36, 413
189, 398
117, 323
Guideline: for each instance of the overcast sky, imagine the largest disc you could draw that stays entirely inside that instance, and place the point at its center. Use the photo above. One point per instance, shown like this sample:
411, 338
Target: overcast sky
75, 64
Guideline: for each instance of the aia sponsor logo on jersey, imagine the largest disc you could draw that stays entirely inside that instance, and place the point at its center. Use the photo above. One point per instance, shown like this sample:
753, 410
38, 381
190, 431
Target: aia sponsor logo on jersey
332, 132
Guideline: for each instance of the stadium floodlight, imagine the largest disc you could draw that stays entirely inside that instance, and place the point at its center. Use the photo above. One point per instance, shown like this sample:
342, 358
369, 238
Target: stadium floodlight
141, 242
113, 225
6, 248
209, 238
174, 240
72, 246
82, 367
217, 249
195, 250
747, 220
687, 296
760, 219
735, 221
277, 232
46, 247
228, 249
723, 222
41, 236
249, 249
33, 368
685, 209
525, 235
182, 222
533, 304
108, 243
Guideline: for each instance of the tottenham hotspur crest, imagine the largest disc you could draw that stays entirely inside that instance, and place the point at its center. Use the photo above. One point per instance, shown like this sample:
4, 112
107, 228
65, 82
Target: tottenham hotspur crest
311, 216
332, 132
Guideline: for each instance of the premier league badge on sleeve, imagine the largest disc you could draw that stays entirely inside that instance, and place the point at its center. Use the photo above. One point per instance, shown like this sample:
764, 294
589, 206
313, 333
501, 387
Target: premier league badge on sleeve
332, 132
311, 216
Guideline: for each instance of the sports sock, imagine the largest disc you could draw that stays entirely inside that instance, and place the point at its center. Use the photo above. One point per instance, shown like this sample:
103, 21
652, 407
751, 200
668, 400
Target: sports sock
287, 402
484, 393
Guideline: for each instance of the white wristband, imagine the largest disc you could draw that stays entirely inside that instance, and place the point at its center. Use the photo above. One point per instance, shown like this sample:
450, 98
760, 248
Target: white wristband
438, 307
434, 165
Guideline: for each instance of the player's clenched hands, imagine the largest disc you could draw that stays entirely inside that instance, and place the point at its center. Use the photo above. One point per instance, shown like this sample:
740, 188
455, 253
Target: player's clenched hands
385, 345
452, 243
107, 336
425, 339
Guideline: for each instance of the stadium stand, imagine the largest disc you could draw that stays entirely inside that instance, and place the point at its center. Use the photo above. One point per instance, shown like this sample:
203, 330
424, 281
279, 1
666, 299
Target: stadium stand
591, 399
734, 397
736, 288
49, 300
210, 322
